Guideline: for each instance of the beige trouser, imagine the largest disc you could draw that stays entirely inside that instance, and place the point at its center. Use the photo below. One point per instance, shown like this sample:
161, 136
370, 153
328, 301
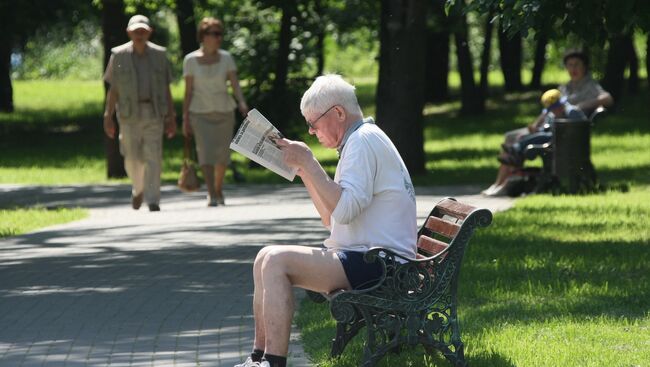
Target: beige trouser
141, 146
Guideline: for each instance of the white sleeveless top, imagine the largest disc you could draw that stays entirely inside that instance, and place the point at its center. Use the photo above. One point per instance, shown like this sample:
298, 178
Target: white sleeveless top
210, 91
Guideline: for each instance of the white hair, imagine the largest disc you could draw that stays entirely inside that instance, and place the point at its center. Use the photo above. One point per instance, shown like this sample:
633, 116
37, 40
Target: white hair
327, 91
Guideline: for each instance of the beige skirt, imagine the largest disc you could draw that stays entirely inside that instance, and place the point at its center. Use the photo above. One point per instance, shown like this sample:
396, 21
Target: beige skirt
213, 132
513, 136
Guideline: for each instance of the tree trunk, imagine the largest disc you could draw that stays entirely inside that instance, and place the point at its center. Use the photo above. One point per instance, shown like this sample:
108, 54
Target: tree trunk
633, 62
400, 89
647, 58
540, 61
320, 39
6, 90
320, 53
511, 55
471, 101
6, 44
186, 25
437, 54
614, 77
114, 30
282, 61
279, 88
485, 57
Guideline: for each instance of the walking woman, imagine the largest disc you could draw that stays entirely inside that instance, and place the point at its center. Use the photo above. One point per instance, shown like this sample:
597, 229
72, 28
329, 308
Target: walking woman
208, 108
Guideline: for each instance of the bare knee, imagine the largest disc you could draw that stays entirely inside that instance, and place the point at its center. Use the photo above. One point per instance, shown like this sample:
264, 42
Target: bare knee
259, 260
274, 262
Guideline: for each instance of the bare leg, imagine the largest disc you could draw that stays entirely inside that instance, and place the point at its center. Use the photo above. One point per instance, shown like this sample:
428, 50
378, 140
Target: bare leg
502, 175
219, 173
208, 176
258, 310
282, 268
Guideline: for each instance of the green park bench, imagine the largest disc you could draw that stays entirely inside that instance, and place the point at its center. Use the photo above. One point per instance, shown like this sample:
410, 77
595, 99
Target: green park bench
415, 301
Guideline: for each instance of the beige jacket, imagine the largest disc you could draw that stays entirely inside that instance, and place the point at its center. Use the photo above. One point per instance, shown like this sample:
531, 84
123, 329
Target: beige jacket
124, 79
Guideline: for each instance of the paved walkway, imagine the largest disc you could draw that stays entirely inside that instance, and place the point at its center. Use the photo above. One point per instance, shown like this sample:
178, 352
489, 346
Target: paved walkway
134, 288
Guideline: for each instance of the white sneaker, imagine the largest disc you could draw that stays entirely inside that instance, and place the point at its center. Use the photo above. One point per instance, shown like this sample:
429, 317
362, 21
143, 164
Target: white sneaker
489, 190
249, 363
501, 190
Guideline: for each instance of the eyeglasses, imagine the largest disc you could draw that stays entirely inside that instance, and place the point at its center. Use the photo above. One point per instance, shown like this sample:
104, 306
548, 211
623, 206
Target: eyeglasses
311, 124
215, 34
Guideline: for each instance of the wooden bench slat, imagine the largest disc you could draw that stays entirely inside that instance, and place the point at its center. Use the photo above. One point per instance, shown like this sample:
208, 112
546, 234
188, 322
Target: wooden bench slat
441, 226
430, 245
454, 208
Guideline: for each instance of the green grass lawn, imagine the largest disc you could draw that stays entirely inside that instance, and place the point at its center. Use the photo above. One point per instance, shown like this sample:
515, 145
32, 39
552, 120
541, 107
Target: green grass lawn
555, 281
15, 221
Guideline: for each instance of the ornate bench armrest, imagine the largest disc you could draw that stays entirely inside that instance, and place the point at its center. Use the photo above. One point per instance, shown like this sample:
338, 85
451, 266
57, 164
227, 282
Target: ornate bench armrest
532, 151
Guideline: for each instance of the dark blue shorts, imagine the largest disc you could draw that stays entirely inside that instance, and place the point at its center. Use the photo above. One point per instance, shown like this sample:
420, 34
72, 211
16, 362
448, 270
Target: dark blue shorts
360, 274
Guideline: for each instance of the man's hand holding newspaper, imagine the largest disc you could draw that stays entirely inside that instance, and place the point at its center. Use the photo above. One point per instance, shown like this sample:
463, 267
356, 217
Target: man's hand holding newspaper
256, 140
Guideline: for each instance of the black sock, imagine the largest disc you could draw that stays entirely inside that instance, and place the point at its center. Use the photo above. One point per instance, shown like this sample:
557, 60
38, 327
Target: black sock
275, 361
257, 355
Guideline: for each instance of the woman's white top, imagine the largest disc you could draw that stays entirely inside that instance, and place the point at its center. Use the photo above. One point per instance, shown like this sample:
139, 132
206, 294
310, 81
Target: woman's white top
210, 91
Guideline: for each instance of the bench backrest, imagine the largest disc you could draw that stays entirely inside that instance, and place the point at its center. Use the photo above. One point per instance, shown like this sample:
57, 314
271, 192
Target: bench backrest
431, 281
442, 227
443, 239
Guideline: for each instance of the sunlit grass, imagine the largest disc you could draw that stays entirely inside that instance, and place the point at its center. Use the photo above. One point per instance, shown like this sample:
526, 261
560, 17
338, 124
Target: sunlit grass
555, 281
15, 221
45, 103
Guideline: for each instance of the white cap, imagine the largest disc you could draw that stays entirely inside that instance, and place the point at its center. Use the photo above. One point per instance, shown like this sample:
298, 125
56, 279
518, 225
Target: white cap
138, 21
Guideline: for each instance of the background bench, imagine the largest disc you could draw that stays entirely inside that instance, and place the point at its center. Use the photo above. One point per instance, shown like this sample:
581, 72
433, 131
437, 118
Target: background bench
566, 159
415, 300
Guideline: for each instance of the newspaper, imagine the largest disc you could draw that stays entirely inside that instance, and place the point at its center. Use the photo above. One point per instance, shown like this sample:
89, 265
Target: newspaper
255, 139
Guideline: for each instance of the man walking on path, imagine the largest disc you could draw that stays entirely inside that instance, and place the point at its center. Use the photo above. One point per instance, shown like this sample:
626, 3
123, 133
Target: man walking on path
139, 75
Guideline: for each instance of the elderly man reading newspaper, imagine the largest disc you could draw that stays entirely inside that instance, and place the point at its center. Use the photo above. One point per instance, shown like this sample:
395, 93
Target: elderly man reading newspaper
370, 202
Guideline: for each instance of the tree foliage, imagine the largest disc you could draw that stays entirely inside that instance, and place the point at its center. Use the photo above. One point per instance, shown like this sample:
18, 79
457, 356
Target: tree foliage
593, 21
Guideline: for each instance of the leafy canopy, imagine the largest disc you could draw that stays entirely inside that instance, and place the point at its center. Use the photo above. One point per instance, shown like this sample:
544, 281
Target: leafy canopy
591, 20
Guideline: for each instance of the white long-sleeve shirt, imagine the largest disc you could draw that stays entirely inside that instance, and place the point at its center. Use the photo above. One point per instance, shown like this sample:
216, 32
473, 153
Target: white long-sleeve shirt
377, 204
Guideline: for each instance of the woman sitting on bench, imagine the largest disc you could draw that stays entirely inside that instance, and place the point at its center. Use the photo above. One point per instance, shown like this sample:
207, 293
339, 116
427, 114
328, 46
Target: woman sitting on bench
555, 107
581, 91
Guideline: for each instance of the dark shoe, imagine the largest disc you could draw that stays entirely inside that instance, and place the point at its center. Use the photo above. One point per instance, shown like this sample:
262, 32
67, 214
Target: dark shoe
154, 207
238, 176
136, 201
221, 200
212, 201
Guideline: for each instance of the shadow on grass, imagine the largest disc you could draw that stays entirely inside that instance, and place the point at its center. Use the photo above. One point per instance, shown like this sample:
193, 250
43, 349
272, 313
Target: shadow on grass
639, 175
48, 148
44, 118
450, 176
